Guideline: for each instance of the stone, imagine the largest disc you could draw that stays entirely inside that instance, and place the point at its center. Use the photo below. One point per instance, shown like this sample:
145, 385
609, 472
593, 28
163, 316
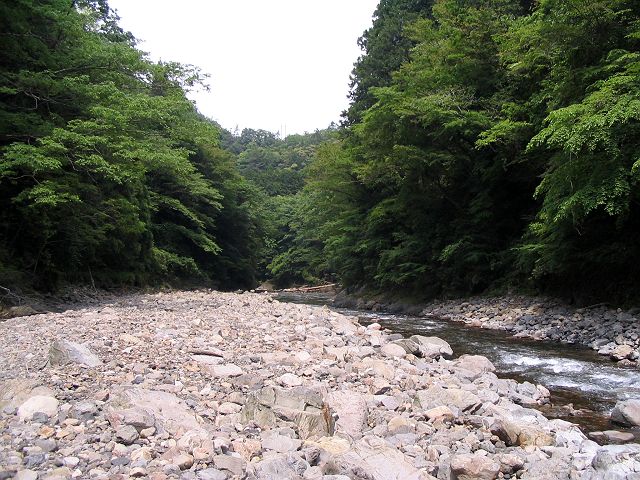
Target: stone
290, 380
126, 434
64, 352
227, 370
437, 396
351, 411
26, 475
235, 465
476, 365
183, 461
301, 406
474, 467
622, 352
443, 413
393, 350
432, 347
211, 474
38, 403
170, 413
279, 443
626, 412
616, 437
379, 460
228, 408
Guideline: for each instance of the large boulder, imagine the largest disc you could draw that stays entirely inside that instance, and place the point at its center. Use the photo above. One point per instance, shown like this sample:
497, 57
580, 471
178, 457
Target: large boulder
432, 347
138, 406
473, 366
301, 406
351, 410
437, 396
474, 467
627, 412
15, 392
372, 458
38, 403
64, 352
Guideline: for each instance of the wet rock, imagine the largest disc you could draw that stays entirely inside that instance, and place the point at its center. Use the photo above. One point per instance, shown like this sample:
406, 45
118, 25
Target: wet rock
64, 352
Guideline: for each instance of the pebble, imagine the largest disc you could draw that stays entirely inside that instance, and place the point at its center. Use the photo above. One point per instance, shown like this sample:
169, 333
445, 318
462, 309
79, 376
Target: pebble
206, 385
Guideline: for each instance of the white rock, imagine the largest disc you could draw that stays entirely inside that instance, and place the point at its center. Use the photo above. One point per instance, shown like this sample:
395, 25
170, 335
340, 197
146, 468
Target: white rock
38, 403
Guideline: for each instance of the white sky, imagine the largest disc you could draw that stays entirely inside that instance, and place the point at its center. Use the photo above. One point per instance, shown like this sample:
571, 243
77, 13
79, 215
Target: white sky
272, 62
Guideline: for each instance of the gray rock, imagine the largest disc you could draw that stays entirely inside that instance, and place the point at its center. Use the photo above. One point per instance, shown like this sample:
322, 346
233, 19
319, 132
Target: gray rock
474, 467
627, 412
64, 352
211, 474
432, 347
351, 410
437, 396
272, 440
38, 403
234, 465
373, 457
299, 405
126, 434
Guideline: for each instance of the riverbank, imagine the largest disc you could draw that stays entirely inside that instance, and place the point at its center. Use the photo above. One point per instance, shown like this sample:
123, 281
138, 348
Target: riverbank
613, 333
207, 385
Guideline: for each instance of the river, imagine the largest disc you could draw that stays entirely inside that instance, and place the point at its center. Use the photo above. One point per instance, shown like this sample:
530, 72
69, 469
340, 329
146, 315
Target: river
573, 374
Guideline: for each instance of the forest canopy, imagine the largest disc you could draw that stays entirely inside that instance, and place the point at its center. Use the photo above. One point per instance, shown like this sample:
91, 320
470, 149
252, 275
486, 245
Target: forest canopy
488, 145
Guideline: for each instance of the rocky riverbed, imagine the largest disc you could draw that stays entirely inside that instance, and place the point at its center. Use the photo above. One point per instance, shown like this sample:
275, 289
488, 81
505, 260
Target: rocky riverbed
611, 332
207, 385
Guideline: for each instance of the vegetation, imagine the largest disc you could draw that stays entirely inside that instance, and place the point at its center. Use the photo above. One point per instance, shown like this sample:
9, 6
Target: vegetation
107, 172
488, 144
501, 151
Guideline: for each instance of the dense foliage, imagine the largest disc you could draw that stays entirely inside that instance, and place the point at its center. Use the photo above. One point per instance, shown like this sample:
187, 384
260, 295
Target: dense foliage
488, 144
107, 172
502, 152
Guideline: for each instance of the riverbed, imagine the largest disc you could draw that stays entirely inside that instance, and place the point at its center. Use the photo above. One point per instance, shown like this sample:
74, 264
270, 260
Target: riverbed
584, 386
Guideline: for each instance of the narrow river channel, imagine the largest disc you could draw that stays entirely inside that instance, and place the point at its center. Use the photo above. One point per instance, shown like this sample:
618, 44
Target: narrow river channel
574, 374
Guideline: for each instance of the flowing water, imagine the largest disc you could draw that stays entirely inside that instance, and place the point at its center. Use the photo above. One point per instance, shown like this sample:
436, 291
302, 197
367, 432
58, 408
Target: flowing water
574, 375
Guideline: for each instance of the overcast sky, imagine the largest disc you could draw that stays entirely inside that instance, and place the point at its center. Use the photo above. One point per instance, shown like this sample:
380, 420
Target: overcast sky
272, 62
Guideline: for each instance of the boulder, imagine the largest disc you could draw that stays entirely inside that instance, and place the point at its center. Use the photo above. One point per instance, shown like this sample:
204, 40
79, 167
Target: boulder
372, 458
227, 370
474, 467
15, 392
351, 410
626, 412
437, 396
306, 409
393, 350
170, 414
64, 352
475, 365
38, 403
432, 347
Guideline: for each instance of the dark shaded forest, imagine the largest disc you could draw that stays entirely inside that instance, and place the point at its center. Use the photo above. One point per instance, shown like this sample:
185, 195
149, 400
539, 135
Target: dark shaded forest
489, 145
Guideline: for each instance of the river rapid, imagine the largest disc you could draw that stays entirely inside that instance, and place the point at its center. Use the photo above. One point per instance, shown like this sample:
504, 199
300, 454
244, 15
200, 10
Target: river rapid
584, 387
